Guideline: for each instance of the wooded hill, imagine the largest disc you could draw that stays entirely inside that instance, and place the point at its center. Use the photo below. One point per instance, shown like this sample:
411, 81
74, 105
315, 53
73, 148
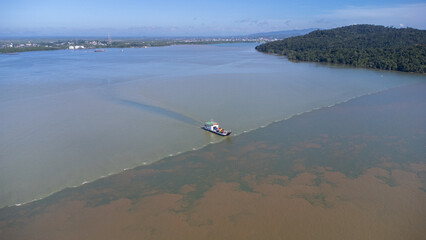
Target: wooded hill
371, 46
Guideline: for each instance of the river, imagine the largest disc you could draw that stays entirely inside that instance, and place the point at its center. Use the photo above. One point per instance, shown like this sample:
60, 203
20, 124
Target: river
71, 117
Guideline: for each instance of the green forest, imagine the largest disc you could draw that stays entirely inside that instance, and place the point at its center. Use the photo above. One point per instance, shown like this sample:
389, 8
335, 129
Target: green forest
370, 46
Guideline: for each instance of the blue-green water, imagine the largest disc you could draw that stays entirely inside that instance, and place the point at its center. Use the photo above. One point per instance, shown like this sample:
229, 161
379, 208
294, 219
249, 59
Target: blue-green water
69, 117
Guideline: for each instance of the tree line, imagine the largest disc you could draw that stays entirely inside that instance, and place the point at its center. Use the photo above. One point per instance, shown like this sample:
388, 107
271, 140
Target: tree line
370, 46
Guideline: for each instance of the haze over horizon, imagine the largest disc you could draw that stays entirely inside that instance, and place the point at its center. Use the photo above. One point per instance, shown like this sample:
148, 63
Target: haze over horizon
195, 18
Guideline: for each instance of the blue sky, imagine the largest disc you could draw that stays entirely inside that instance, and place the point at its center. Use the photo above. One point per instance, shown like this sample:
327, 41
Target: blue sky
198, 17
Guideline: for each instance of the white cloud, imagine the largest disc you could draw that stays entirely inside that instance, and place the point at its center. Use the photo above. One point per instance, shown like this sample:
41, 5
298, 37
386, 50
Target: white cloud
408, 15
411, 15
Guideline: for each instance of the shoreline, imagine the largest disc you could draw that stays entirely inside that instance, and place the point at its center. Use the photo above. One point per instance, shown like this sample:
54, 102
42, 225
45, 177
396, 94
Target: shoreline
340, 65
223, 42
40, 49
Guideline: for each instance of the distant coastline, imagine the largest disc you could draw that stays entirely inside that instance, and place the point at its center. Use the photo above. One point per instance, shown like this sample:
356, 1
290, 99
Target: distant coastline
368, 46
16, 46
26, 44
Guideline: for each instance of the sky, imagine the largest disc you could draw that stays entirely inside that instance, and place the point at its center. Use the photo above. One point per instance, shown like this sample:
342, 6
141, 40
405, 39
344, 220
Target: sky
198, 17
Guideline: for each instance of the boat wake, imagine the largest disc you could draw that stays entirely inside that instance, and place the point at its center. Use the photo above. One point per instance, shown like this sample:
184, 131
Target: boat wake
159, 111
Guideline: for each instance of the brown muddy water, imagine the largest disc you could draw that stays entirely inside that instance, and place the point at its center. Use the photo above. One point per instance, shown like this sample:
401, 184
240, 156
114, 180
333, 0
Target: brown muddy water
353, 171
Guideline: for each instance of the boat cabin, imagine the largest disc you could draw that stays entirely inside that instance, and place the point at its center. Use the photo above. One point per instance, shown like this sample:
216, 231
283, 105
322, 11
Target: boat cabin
213, 126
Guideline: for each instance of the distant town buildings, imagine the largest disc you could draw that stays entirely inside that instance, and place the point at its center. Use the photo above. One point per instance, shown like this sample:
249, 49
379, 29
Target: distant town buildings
7, 46
75, 47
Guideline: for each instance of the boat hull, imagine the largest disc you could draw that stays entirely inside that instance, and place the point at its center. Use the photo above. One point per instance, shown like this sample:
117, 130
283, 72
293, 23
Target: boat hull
218, 133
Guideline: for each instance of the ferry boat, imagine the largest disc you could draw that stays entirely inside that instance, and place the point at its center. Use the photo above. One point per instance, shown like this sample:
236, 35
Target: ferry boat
99, 50
214, 128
